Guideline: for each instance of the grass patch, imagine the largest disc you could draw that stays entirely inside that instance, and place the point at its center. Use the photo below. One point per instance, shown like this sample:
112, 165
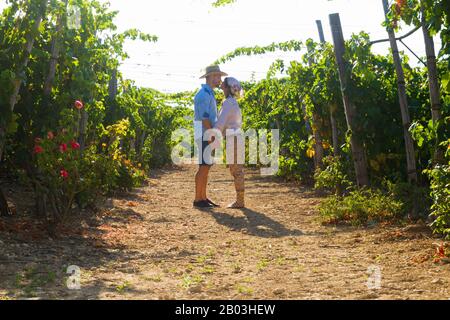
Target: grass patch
190, 281
280, 261
262, 264
31, 279
237, 268
248, 280
360, 207
155, 278
244, 289
208, 270
121, 288
201, 259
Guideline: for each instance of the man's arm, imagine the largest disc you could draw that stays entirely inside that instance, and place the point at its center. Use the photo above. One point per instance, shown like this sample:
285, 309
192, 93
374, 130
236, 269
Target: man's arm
207, 125
202, 111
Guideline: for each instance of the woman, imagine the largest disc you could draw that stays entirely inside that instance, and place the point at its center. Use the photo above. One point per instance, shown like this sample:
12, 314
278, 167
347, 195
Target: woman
230, 122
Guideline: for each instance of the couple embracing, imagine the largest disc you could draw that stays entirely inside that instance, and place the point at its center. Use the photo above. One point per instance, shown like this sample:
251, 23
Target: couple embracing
229, 123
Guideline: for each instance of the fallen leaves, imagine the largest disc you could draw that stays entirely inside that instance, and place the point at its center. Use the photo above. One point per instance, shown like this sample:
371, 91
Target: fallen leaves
131, 204
27, 229
442, 253
421, 258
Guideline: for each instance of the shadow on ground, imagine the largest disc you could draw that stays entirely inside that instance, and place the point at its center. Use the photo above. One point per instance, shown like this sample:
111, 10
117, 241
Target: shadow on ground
254, 223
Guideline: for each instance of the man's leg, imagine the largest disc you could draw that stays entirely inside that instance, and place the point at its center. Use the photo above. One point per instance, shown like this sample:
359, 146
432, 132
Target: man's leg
206, 160
201, 180
199, 177
198, 194
205, 183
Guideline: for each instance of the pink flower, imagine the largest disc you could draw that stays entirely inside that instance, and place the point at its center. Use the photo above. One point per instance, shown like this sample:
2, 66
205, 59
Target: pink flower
38, 149
75, 145
37, 140
50, 135
63, 147
78, 104
64, 174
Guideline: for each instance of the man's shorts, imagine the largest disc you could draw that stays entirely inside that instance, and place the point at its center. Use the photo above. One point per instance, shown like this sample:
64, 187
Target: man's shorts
204, 158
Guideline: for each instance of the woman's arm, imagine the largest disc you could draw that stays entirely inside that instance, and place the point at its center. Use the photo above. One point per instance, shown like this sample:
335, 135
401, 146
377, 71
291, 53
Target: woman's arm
225, 114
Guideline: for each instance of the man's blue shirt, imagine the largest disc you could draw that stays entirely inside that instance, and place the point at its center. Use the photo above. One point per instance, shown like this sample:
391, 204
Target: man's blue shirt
205, 106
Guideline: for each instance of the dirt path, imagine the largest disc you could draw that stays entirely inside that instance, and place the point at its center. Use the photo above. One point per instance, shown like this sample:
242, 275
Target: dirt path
153, 245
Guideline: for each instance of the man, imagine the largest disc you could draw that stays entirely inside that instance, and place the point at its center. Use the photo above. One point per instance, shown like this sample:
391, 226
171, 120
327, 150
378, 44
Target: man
205, 110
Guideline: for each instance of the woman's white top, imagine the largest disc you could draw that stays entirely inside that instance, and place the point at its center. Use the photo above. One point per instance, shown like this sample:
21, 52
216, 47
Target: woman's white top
230, 117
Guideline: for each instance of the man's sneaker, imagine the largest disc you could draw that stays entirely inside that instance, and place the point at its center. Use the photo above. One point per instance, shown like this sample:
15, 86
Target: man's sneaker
202, 204
213, 204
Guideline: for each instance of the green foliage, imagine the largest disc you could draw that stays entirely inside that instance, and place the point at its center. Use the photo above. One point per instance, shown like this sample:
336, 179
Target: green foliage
334, 175
436, 14
116, 125
154, 116
311, 92
360, 207
130, 132
58, 176
274, 104
440, 194
413, 197
6, 77
277, 66
221, 3
292, 45
64, 175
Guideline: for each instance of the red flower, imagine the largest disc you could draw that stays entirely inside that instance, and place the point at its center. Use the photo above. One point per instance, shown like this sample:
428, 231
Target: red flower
63, 147
75, 145
64, 174
50, 135
38, 149
78, 104
37, 140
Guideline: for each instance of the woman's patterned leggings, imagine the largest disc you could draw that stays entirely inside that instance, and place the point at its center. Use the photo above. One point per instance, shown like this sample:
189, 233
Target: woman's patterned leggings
237, 169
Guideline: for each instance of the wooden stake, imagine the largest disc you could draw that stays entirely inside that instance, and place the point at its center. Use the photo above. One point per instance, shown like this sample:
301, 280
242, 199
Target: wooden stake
403, 100
112, 87
320, 29
358, 152
435, 99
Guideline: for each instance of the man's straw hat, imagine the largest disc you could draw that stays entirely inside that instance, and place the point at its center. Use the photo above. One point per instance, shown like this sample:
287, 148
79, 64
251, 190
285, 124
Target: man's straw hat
213, 69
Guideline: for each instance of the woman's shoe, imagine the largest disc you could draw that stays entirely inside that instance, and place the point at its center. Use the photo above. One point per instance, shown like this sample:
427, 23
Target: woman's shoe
236, 205
239, 203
